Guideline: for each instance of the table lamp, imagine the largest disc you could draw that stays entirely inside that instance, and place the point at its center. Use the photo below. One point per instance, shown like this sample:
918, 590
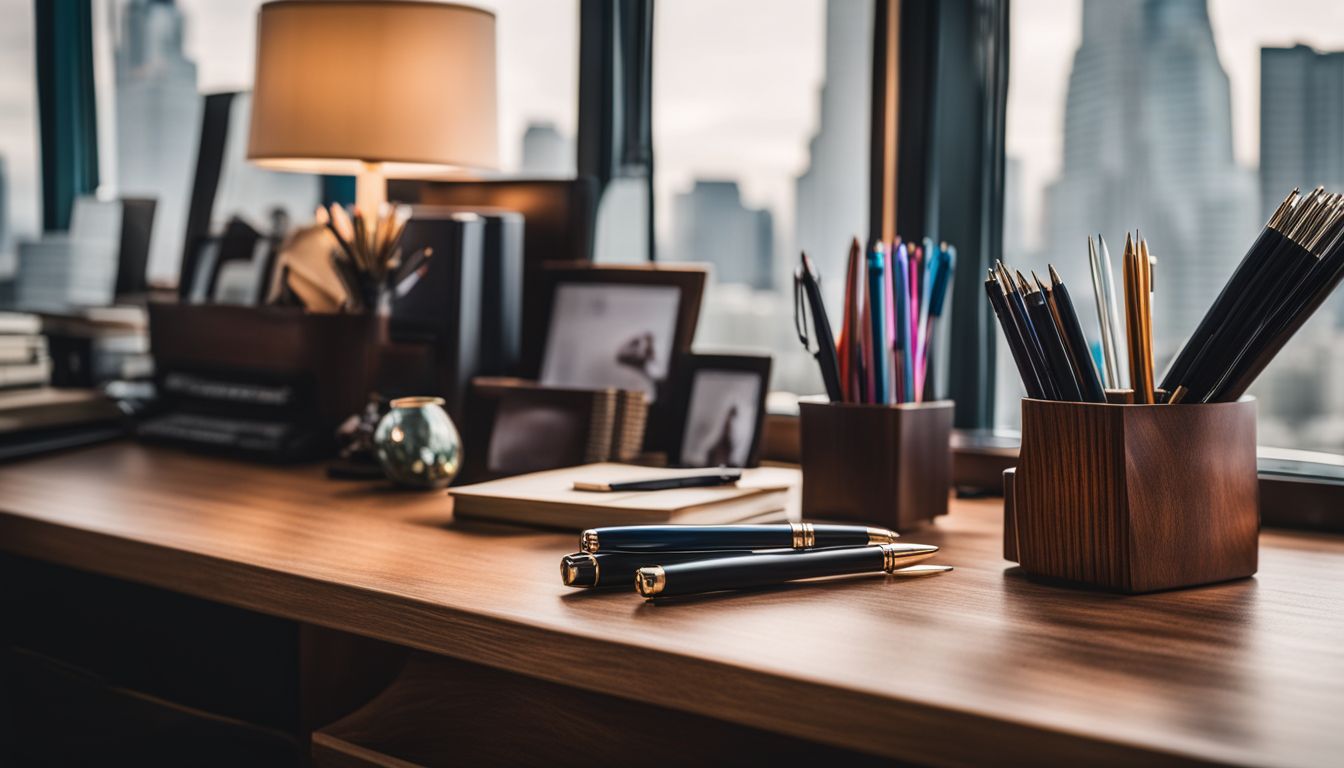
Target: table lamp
376, 90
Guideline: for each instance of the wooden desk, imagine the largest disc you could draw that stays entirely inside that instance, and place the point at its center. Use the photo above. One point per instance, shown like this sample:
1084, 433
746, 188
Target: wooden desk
980, 665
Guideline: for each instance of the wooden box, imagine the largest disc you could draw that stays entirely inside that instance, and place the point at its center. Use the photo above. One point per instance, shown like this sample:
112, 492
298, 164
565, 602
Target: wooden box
887, 465
1134, 498
335, 353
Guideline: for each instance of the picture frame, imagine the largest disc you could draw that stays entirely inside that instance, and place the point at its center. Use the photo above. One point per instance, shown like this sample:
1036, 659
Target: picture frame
688, 279
688, 282
711, 393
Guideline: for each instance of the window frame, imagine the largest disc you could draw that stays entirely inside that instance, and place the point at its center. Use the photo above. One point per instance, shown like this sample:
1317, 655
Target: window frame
948, 138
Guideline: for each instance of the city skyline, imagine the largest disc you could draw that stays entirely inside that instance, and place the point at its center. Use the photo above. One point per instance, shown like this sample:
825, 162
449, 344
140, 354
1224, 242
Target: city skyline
1148, 145
1048, 32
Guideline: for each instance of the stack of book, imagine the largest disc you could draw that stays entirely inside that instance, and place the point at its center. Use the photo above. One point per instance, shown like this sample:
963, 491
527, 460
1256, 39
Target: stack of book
95, 345
24, 361
550, 499
37, 419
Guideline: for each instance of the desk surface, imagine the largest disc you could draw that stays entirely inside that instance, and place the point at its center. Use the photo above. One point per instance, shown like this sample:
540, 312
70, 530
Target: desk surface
979, 664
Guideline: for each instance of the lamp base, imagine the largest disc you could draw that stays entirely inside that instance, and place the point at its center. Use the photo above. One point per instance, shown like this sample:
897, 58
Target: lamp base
370, 189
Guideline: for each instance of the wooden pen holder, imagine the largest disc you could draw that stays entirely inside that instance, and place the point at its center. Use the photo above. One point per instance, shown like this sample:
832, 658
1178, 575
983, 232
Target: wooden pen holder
887, 465
1134, 498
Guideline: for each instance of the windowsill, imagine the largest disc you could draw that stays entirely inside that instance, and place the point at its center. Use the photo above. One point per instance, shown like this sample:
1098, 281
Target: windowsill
1301, 490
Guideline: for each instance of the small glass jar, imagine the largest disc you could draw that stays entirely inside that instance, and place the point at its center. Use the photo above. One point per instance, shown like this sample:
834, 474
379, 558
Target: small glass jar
417, 444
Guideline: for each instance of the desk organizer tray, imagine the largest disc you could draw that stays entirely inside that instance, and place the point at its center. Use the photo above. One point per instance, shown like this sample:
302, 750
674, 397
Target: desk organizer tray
1134, 498
888, 465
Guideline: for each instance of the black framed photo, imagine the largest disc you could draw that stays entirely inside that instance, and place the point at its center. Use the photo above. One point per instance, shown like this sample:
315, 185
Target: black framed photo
619, 326
721, 404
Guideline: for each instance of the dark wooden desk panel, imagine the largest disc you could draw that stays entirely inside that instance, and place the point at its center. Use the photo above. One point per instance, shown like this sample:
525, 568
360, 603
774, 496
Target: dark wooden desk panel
982, 664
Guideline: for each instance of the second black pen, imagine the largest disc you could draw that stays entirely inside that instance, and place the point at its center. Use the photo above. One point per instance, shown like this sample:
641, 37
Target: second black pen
684, 538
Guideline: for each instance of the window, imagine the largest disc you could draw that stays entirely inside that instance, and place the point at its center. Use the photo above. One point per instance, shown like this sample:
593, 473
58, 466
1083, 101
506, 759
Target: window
20, 171
156, 59
538, 85
760, 125
1230, 105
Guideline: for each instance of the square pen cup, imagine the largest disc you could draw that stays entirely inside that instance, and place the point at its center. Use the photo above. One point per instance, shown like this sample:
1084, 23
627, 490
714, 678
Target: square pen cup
1134, 498
884, 465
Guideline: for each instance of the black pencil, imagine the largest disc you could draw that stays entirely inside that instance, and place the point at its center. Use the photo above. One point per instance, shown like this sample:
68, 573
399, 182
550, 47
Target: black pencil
1018, 309
1233, 298
998, 302
1285, 262
1290, 313
1066, 319
1057, 358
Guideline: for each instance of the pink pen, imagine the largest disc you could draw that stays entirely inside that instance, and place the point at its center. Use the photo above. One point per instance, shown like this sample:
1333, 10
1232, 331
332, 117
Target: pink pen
893, 360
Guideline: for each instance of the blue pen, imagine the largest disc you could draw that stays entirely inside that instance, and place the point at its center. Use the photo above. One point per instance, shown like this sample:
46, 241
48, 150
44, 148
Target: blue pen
876, 275
941, 272
900, 272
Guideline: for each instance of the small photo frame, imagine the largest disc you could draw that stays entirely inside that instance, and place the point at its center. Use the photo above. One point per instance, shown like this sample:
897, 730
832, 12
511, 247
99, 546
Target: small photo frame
722, 410
618, 326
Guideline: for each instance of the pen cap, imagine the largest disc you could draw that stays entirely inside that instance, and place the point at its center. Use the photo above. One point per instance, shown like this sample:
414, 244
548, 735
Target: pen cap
579, 570
1134, 498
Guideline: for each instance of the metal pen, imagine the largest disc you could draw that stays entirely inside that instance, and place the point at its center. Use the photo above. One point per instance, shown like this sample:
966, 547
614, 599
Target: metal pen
685, 538
688, 578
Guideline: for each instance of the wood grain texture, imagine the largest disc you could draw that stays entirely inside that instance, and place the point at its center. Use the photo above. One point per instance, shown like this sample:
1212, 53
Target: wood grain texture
887, 465
444, 712
1135, 498
980, 665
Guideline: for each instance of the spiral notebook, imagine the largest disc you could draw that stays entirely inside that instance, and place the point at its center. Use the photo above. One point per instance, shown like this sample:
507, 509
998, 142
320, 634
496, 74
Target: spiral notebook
548, 499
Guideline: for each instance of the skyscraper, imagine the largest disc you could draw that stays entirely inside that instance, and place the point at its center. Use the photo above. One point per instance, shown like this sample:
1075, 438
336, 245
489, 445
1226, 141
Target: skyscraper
1301, 122
832, 194
711, 224
1148, 145
546, 151
158, 122
4, 209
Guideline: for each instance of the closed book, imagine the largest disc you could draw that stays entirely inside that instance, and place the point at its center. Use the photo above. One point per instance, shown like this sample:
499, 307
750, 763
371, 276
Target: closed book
22, 349
22, 410
26, 374
548, 499
20, 323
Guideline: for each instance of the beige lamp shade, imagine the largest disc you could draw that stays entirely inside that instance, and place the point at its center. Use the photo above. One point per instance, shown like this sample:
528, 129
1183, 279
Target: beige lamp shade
405, 87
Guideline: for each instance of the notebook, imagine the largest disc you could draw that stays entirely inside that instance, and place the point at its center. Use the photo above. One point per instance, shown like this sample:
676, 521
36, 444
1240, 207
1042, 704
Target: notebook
548, 499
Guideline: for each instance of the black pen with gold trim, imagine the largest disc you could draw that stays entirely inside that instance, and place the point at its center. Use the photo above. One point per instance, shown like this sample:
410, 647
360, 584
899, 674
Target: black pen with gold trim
685, 538
617, 569
760, 570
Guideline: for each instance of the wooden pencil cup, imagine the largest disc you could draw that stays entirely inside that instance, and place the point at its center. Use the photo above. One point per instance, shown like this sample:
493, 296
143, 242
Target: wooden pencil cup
1134, 498
887, 465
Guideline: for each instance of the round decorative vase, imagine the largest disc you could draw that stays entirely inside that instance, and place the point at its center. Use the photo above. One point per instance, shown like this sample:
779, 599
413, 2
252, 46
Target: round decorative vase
417, 444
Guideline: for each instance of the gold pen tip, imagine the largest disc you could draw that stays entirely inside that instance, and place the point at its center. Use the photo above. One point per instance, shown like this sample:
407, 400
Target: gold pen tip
900, 555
